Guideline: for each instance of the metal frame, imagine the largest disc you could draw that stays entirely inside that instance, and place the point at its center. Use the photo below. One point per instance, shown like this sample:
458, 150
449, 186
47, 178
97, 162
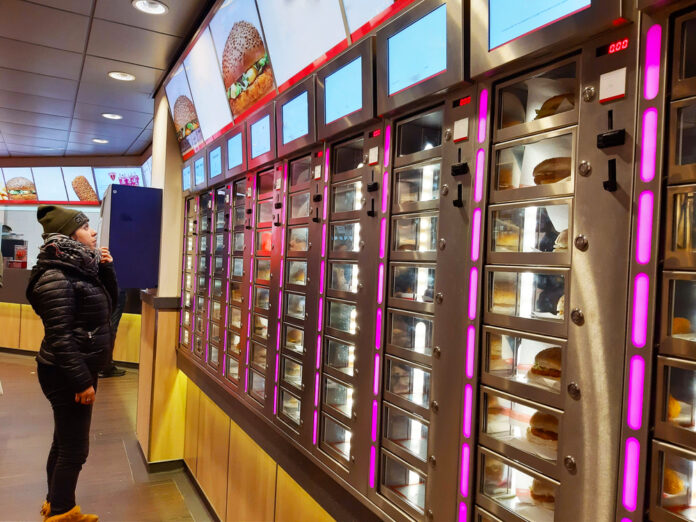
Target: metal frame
307, 85
679, 173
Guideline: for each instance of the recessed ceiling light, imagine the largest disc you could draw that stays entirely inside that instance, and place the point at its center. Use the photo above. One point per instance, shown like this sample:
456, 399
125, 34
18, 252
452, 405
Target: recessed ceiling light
150, 6
122, 76
111, 116
100, 141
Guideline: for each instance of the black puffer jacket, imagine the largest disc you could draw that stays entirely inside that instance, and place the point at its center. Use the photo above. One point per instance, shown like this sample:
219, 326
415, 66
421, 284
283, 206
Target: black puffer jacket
74, 295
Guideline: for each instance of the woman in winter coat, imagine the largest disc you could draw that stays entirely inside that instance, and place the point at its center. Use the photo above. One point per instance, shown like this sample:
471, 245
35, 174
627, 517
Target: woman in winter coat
73, 289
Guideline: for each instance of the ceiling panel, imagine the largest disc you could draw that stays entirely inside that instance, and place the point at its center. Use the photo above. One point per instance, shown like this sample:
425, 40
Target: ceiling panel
139, 146
83, 7
3, 150
26, 102
24, 150
90, 112
24, 56
33, 141
35, 119
43, 25
132, 45
27, 130
86, 138
105, 129
37, 84
96, 70
176, 22
83, 149
117, 96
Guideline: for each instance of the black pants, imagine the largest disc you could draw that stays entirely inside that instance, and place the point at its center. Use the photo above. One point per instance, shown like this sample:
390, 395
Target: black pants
70, 445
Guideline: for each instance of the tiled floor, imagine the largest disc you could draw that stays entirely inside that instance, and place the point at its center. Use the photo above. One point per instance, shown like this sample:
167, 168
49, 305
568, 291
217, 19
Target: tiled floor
114, 482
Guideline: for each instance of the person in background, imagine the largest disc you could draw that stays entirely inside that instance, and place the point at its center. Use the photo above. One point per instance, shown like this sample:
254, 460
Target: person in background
111, 369
73, 289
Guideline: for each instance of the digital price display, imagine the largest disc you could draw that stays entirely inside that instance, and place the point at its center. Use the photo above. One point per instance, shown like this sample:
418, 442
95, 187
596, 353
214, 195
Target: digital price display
199, 171
215, 162
235, 152
186, 178
296, 118
343, 91
613, 47
261, 137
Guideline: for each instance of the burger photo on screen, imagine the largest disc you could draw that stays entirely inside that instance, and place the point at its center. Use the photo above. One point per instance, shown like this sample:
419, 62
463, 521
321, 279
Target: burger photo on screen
246, 69
186, 121
21, 189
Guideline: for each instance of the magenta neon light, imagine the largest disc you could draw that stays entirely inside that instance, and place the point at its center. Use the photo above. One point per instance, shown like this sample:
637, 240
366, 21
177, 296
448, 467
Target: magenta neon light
476, 235
314, 431
648, 149
247, 352
285, 177
631, 472
375, 414
321, 279
473, 292
275, 400
249, 325
478, 181
385, 191
373, 466
378, 329
470, 351
653, 49
644, 227
326, 200
387, 145
464, 475
246, 380
281, 273
636, 386
468, 400
323, 240
380, 284
250, 289
277, 367
641, 294
375, 385
483, 115
326, 164
280, 305
383, 238
224, 364
316, 389
318, 365
278, 340
320, 313
462, 512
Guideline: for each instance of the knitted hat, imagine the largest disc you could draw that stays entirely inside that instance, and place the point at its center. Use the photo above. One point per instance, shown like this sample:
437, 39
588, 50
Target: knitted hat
60, 220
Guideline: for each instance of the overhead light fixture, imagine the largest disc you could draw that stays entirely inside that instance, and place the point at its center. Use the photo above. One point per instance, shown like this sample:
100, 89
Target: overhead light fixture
100, 141
111, 116
121, 76
150, 6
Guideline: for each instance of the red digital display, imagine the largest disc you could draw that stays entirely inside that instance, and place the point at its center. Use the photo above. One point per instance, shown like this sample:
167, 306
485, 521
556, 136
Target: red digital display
614, 47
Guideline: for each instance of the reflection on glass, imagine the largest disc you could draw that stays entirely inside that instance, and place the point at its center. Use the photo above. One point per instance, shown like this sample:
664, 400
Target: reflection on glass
421, 133
264, 213
290, 406
215, 333
189, 244
299, 205
188, 281
203, 245
217, 287
689, 48
543, 162
407, 483
531, 229
257, 386
683, 309
238, 241
336, 437
216, 311
344, 277
263, 269
345, 237
198, 345
295, 305
529, 498
235, 292
206, 201
264, 241
205, 224
300, 171
408, 432
221, 197
258, 355
219, 262
415, 234
294, 339
187, 299
200, 306
262, 298
346, 197
219, 244
235, 319
234, 343
297, 272
214, 354
411, 332
261, 326
417, 184
239, 190
409, 382
239, 216
237, 267
220, 221
342, 316
684, 233
189, 263
528, 295
292, 372
681, 399
232, 368
549, 93
338, 396
186, 318
348, 156
265, 184
340, 356
186, 337
678, 494
299, 239
415, 283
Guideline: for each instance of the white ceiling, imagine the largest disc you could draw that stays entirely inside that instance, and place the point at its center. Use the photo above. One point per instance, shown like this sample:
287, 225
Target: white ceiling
54, 60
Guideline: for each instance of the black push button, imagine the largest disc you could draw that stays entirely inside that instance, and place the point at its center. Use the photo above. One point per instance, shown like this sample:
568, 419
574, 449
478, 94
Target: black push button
611, 138
373, 187
277, 205
316, 198
459, 169
610, 184
249, 210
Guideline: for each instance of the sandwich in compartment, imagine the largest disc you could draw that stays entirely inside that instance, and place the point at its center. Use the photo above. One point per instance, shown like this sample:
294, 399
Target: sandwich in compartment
552, 170
543, 493
83, 189
543, 430
21, 189
548, 364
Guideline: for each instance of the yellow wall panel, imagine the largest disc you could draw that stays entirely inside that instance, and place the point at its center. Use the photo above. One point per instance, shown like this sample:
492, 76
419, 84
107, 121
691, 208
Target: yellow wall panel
293, 503
251, 479
145, 377
10, 314
127, 346
213, 456
31, 330
193, 397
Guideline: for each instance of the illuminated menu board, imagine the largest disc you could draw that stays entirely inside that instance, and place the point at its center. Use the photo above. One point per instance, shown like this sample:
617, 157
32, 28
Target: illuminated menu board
131, 176
343, 91
296, 118
360, 12
511, 19
49, 184
261, 137
235, 151
184, 114
79, 183
215, 162
186, 178
199, 171
418, 52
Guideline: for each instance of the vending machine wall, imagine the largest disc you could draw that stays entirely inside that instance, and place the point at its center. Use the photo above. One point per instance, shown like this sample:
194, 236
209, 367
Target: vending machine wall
188, 276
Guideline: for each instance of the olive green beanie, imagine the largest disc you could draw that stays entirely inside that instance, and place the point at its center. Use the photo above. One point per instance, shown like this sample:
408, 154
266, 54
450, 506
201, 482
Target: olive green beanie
60, 220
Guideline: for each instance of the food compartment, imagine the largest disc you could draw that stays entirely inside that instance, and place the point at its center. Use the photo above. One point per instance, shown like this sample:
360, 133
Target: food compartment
264, 211
417, 184
238, 241
235, 318
677, 484
237, 267
234, 343
407, 431
402, 482
295, 305
239, 190
681, 309
527, 294
527, 496
531, 228
263, 269
415, 234
232, 368
264, 242
411, 332
292, 372
186, 318
299, 205
290, 406
685, 140
683, 217
189, 263
420, 133
239, 213
294, 339
298, 240
217, 288
346, 197
220, 221
338, 396
348, 156
336, 437
188, 281
408, 382
342, 316
261, 326
258, 356
344, 277
340, 356
257, 385
300, 171
297, 272
216, 310
235, 292
262, 296
345, 237
264, 184
538, 161
185, 337
413, 282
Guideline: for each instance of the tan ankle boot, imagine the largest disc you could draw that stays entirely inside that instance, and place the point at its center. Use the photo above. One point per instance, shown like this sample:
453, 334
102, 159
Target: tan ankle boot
74, 515
46, 510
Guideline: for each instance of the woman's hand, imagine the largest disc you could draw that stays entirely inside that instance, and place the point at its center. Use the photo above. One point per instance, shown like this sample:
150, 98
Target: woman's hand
106, 256
86, 397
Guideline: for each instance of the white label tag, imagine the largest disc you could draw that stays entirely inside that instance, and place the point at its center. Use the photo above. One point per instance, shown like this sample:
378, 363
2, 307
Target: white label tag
461, 130
612, 85
249, 192
278, 184
317, 172
373, 156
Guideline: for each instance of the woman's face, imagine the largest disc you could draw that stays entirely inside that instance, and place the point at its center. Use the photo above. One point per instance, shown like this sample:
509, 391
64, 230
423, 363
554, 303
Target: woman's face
86, 236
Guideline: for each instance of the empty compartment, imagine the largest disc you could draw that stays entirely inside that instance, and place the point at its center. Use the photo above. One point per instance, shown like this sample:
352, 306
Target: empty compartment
261, 326
340, 356
202, 285
411, 332
204, 224
417, 184
403, 481
235, 318
200, 323
413, 282
686, 127
339, 396
238, 241
343, 316
346, 197
407, 431
263, 269
217, 288
235, 292
216, 311
292, 372
239, 216
239, 190
682, 309
189, 263
190, 244
299, 205
344, 277
264, 242
219, 244
533, 228
297, 272
203, 244
409, 382
185, 337
264, 184
336, 436
345, 237
257, 385
415, 234
294, 339
300, 171
188, 281
232, 368
191, 227
262, 297
677, 485
348, 156
198, 345
234, 343
186, 318
237, 267
295, 305
215, 333
420, 133
258, 355
684, 222
219, 264
290, 406
213, 355
187, 299
264, 212
220, 221
527, 294
298, 240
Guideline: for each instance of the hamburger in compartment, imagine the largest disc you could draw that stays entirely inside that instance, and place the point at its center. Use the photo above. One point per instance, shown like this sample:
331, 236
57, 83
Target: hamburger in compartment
543, 493
552, 170
543, 430
83, 189
246, 69
547, 364
185, 120
21, 189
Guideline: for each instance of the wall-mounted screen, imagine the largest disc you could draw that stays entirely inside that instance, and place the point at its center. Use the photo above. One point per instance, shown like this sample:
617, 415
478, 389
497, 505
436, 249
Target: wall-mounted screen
215, 162
360, 12
296, 118
79, 182
49, 184
261, 137
511, 19
343, 91
19, 184
418, 52
184, 114
199, 171
235, 151
104, 177
186, 178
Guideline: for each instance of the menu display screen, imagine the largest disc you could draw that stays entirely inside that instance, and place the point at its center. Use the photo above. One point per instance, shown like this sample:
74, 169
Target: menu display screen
199, 171
49, 184
79, 183
235, 151
215, 162
511, 19
343, 91
359, 12
104, 177
261, 137
296, 118
184, 114
418, 52
186, 178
